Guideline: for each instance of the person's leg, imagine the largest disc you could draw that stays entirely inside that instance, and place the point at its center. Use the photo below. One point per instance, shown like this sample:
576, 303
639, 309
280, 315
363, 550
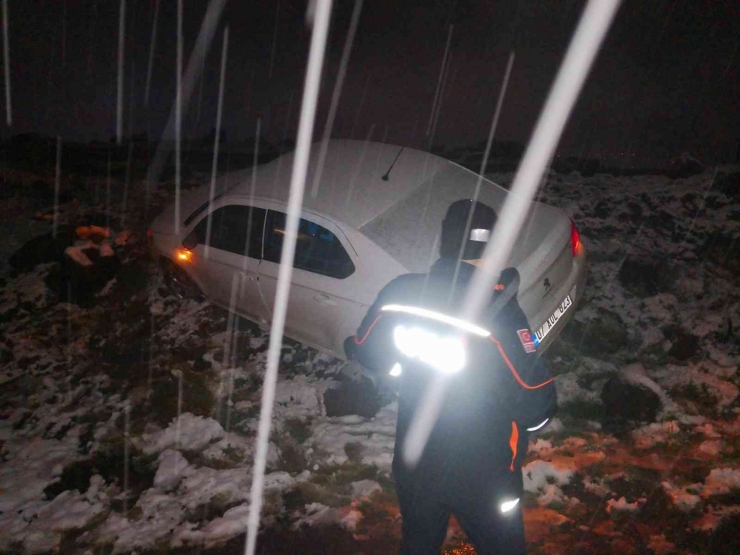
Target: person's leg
489, 530
424, 523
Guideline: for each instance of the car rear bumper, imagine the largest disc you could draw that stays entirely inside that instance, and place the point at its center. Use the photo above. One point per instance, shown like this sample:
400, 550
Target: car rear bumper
575, 286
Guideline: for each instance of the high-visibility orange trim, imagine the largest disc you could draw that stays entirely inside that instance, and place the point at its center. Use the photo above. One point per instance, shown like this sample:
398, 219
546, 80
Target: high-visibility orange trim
513, 441
367, 333
513, 370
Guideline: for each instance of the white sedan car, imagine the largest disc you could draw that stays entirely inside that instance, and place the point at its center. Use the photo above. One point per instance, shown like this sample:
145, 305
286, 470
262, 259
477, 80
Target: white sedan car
372, 213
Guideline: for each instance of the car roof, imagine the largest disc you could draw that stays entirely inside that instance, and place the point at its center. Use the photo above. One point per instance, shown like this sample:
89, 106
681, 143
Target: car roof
401, 214
351, 188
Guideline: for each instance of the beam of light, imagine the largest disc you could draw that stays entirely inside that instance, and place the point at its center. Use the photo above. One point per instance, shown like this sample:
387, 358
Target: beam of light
57, 183
591, 31
338, 85
217, 139
121, 45
178, 117
200, 50
439, 81
297, 185
152, 49
6, 60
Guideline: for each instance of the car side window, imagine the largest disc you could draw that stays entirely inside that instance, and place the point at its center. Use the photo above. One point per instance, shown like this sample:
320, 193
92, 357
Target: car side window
317, 250
234, 228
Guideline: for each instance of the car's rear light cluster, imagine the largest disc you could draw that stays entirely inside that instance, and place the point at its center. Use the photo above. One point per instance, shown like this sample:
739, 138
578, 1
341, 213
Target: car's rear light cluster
575, 240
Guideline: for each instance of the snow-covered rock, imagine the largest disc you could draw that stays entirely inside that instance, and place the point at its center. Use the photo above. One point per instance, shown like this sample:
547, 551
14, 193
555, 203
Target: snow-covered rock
375, 436
681, 497
621, 504
544, 480
187, 432
173, 467
721, 481
364, 488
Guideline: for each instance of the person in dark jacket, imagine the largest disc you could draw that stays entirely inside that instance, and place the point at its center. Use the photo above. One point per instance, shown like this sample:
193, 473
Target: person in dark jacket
494, 390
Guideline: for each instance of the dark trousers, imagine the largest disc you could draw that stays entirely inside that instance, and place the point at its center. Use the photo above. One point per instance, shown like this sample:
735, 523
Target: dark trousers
426, 514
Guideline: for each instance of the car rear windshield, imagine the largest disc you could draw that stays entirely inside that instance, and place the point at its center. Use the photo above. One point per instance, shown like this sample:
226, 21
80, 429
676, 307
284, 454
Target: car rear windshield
317, 250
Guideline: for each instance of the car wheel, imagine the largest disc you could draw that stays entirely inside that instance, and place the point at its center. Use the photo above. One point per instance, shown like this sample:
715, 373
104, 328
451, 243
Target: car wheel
179, 282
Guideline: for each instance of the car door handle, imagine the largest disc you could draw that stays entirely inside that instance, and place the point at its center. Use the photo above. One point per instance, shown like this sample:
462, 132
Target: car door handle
324, 299
249, 276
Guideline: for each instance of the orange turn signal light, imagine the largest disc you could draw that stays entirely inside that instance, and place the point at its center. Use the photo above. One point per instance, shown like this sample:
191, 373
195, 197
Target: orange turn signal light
183, 255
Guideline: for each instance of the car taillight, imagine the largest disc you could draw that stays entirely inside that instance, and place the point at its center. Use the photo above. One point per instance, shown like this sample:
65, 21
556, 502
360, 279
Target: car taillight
575, 240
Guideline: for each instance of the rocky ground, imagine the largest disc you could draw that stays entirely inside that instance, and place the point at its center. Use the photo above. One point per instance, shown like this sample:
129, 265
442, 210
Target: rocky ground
128, 416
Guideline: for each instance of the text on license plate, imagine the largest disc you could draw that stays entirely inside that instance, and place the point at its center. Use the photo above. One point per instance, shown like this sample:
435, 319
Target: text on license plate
545, 328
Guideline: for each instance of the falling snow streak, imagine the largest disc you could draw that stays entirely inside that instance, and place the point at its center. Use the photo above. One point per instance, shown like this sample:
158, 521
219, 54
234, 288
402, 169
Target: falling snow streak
64, 33
444, 81
232, 326
320, 21
57, 183
200, 50
91, 39
6, 60
127, 182
484, 162
359, 108
274, 39
201, 73
335, 95
107, 190
152, 49
251, 193
132, 33
126, 452
121, 44
217, 140
439, 81
358, 168
178, 116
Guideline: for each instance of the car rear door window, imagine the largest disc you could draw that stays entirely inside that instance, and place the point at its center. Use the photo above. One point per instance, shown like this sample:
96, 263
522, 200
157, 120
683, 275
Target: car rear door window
234, 228
318, 250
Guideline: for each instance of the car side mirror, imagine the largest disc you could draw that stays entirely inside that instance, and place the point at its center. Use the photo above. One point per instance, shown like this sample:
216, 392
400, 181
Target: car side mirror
193, 239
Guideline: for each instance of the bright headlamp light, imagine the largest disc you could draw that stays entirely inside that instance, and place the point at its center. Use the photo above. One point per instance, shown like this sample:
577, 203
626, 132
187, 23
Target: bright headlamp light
508, 506
445, 354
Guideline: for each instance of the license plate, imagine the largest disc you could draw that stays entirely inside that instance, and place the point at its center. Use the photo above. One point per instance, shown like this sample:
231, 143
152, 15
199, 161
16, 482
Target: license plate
545, 328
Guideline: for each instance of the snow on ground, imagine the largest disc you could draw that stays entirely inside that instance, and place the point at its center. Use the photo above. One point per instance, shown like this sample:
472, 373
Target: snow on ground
129, 423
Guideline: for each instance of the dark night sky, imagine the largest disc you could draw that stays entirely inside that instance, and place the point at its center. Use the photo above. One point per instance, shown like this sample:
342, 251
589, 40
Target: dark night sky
666, 80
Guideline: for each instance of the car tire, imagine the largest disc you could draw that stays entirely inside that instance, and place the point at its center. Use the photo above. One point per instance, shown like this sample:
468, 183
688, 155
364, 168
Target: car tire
179, 283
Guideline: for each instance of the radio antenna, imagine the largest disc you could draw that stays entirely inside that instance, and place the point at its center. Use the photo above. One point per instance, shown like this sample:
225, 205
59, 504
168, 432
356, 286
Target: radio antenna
388, 173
